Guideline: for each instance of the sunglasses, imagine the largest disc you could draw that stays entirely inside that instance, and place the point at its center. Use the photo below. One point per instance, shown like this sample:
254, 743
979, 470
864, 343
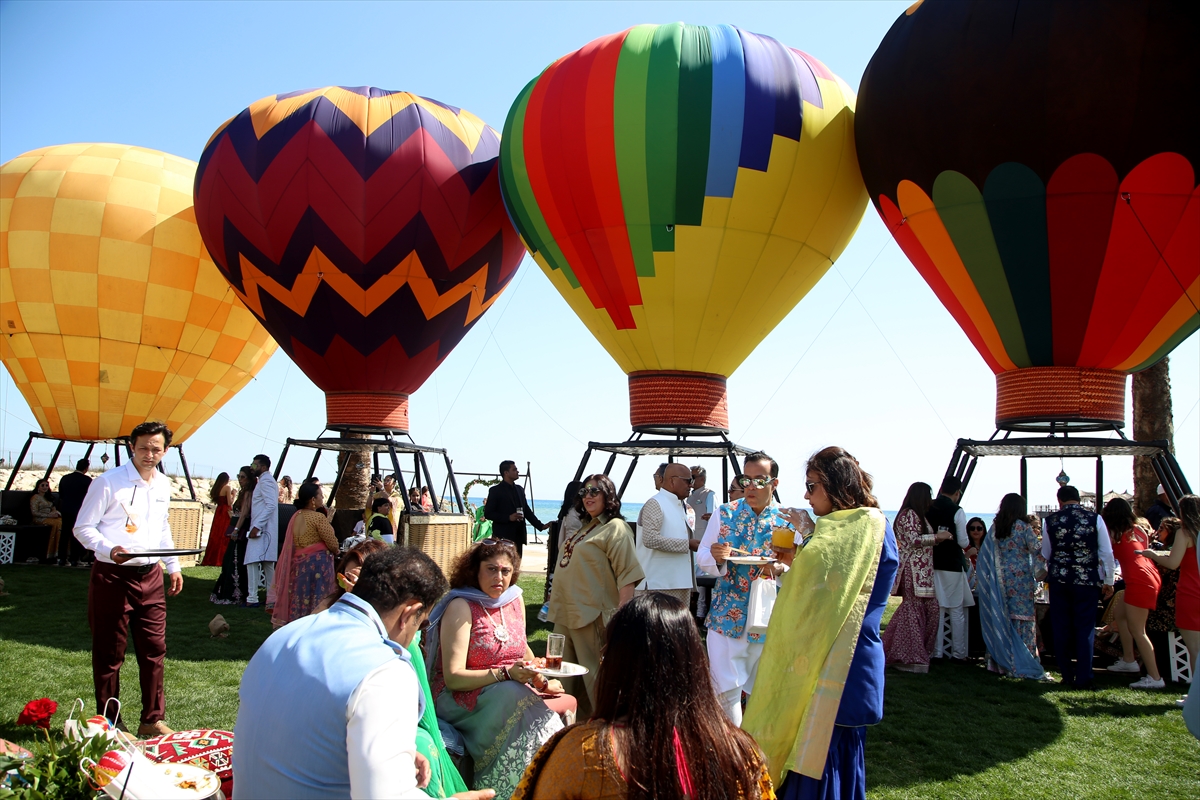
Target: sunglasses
689, 481
499, 543
974, 527
810, 486
590, 491
760, 483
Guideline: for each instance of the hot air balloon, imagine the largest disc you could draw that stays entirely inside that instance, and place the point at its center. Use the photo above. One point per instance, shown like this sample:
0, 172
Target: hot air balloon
365, 229
683, 187
111, 310
1036, 162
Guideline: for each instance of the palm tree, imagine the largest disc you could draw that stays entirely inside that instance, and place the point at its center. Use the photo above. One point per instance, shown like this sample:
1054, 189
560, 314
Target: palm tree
1152, 419
355, 469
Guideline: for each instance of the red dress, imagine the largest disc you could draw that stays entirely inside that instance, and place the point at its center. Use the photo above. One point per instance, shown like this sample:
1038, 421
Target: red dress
1142, 580
214, 551
1187, 593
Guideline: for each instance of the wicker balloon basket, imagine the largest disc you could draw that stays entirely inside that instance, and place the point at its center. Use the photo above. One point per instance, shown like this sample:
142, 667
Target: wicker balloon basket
443, 537
186, 518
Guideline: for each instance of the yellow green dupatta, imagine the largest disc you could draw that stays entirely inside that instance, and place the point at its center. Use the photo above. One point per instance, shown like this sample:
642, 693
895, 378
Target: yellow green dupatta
810, 642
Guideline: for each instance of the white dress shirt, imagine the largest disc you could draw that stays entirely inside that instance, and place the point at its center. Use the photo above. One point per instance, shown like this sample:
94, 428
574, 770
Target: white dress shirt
1107, 566
381, 729
119, 500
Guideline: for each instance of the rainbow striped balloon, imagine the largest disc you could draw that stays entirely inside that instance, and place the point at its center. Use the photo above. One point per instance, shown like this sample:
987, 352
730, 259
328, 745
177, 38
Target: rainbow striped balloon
683, 187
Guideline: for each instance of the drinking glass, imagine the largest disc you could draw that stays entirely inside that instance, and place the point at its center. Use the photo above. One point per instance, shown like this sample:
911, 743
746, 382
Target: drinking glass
555, 644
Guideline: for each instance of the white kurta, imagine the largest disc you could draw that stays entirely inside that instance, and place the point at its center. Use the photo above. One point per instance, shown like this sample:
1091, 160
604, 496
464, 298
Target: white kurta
953, 588
264, 515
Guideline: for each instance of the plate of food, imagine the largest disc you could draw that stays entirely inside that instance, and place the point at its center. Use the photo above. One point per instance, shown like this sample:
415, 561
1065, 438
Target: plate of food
564, 669
754, 561
164, 782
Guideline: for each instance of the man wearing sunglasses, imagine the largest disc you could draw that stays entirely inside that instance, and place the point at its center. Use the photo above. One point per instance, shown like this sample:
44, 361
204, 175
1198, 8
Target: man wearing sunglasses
747, 525
664, 537
508, 509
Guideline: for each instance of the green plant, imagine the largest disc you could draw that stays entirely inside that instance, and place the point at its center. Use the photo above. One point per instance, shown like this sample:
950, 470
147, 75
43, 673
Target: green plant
53, 769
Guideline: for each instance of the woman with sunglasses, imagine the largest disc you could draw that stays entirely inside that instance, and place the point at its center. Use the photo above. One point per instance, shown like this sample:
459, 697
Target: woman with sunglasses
822, 673
1010, 557
476, 651
658, 731
596, 574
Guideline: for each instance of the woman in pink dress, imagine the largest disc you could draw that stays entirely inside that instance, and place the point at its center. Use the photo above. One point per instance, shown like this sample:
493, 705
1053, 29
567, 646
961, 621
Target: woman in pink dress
221, 494
476, 652
912, 632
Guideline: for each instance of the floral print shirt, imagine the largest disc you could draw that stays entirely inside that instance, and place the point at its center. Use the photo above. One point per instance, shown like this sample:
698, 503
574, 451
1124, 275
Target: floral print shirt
745, 530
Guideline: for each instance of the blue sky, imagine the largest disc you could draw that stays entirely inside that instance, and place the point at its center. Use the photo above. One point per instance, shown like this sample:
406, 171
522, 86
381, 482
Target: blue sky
880, 369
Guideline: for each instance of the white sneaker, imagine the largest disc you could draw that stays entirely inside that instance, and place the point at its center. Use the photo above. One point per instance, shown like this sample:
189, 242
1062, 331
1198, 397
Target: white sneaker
1148, 683
1124, 666
1181, 701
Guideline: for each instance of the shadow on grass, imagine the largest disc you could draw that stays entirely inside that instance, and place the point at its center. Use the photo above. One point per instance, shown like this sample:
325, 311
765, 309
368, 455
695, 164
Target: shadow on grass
47, 607
972, 721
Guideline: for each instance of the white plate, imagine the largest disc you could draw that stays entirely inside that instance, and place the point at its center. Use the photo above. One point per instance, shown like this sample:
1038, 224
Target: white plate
568, 670
756, 561
162, 782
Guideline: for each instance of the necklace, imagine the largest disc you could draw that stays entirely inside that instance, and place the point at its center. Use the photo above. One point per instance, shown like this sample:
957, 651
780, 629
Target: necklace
499, 631
568, 547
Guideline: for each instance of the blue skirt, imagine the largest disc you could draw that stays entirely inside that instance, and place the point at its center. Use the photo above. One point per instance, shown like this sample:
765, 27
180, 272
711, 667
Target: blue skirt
845, 775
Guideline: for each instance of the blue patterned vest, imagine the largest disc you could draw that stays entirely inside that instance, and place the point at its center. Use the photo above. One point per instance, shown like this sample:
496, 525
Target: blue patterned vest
751, 532
1074, 546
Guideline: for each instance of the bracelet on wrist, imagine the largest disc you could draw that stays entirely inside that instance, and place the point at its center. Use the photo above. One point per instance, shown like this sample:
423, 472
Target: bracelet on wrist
504, 670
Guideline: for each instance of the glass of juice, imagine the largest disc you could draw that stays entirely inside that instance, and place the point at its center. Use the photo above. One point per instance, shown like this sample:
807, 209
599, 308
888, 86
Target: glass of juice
555, 643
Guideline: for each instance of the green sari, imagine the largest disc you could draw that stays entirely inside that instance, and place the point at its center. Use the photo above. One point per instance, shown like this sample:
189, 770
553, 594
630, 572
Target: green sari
444, 779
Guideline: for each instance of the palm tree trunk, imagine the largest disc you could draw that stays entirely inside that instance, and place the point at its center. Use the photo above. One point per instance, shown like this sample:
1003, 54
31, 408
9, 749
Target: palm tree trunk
355, 469
1152, 419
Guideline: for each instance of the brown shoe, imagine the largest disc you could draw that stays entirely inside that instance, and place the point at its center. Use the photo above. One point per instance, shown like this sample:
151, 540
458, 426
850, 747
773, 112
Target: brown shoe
158, 728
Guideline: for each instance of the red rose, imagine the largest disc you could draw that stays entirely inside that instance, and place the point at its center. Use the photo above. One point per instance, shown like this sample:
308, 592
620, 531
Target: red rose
38, 712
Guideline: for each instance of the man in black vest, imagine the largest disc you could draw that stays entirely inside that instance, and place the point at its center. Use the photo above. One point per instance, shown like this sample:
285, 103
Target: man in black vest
950, 566
1079, 561
507, 508
72, 489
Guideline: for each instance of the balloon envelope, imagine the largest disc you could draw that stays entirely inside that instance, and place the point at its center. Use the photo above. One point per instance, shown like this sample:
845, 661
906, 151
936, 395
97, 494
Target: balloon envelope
683, 187
1036, 162
365, 229
111, 310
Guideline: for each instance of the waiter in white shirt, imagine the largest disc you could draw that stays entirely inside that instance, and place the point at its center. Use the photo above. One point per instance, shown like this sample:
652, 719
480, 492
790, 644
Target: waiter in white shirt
125, 511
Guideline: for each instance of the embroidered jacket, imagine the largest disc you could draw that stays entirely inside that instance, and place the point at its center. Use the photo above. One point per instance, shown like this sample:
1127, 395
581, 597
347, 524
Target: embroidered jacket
1074, 546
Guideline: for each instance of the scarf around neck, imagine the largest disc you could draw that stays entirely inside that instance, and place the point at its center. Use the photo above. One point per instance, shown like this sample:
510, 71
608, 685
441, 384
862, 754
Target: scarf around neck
433, 630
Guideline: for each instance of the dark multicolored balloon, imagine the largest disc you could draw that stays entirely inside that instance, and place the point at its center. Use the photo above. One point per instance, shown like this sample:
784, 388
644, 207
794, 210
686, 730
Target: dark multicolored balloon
1036, 162
365, 229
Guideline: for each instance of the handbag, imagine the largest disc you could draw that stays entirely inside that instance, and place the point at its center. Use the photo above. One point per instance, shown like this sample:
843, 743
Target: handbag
762, 603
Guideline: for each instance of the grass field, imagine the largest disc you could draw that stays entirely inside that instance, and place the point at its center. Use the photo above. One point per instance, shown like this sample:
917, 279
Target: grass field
956, 732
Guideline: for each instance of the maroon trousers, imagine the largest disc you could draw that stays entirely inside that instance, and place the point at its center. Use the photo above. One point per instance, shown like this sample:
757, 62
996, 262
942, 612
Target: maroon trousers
120, 599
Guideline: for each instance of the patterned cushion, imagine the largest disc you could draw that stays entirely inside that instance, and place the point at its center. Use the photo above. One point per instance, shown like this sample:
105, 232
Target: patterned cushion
208, 749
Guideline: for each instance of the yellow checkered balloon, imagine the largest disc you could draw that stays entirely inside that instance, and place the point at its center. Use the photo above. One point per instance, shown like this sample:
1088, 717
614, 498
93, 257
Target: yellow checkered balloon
111, 310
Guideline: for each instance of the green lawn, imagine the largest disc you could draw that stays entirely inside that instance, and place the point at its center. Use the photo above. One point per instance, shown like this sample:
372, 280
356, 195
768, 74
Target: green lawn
956, 732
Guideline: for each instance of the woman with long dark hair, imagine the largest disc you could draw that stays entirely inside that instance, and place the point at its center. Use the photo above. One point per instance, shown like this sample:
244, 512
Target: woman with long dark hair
657, 731
820, 681
1142, 584
41, 505
231, 585
221, 494
567, 523
597, 571
912, 632
1009, 559
305, 572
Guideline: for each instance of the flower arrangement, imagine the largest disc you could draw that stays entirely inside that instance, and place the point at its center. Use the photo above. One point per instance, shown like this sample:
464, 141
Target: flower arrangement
53, 769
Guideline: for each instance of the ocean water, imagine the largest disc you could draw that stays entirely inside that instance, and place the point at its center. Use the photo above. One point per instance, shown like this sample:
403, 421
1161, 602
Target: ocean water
547, 510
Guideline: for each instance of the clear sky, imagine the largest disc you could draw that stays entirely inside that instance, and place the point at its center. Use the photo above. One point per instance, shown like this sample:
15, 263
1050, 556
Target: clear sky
869, 360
